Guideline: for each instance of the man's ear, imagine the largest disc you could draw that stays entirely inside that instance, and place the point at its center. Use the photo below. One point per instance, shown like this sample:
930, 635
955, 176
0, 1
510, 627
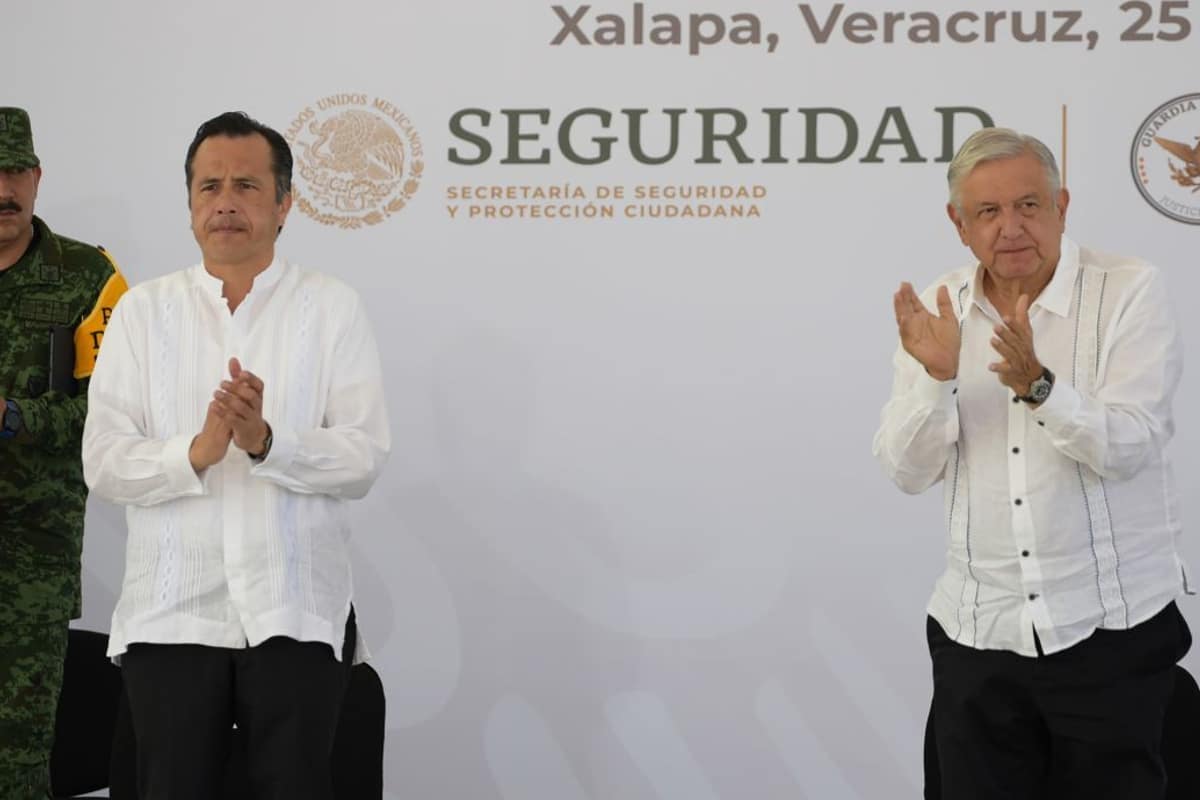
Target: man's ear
284, 208
957, 219
1064, 199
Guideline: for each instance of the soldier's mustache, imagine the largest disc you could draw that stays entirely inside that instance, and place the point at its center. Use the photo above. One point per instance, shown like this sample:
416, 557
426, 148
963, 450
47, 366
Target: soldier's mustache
9, 206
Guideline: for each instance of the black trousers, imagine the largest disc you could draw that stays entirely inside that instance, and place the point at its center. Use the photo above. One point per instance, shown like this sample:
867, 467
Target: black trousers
285, 697
1085, 722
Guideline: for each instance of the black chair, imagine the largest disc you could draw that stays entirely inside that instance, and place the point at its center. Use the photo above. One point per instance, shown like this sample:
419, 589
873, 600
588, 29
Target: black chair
1181, 738
358, 745
87, 711
357, 761
933, 775
1181, 743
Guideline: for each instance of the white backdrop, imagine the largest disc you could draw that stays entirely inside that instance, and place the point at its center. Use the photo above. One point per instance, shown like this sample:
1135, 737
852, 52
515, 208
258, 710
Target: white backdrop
631, 542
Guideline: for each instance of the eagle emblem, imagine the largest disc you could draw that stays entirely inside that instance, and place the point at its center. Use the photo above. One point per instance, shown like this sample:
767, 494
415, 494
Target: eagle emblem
1189, 175
358, 160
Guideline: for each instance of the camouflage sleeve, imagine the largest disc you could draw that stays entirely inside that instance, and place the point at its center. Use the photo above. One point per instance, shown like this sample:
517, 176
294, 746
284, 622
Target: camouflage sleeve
54, 420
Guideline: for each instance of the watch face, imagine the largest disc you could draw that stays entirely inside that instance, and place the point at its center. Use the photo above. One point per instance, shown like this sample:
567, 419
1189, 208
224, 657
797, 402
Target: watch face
1040, 390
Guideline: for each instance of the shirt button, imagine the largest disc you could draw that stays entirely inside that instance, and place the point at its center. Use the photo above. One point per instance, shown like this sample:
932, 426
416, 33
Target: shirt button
1016, 449
1033, 597
1017, 501
1041, 423
1016, 399
1024, 554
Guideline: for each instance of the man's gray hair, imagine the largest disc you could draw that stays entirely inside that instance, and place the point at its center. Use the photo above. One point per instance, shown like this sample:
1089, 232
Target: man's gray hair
991, 144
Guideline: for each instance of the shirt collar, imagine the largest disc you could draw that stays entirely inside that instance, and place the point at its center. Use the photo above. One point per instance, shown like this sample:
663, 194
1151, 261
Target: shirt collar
262, 281
45, 242
41, 263
1055, 298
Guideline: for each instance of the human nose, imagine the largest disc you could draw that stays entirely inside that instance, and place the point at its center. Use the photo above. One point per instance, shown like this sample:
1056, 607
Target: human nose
1012, 225
224, 203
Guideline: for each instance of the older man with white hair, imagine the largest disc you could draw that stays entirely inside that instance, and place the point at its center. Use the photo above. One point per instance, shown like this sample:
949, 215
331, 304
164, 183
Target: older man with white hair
1036, 386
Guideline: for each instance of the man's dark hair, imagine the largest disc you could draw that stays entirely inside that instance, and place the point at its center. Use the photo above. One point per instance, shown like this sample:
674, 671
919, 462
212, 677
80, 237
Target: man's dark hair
236, 124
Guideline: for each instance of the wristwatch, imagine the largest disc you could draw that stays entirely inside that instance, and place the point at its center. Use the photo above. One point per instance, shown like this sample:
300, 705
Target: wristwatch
1039, 390
12, 420
266, 447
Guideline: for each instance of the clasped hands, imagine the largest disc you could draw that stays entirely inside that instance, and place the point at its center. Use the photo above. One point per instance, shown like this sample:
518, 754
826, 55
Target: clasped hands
234, 415
934, 340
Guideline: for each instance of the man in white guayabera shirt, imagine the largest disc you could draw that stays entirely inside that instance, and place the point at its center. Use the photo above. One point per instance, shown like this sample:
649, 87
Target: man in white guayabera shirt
1036, 386
236, 407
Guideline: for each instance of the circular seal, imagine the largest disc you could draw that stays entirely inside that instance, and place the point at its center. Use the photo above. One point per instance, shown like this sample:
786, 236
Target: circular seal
1165, 159
359, 160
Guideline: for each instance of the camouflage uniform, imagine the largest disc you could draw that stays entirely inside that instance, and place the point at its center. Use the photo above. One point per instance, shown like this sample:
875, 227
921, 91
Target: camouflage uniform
59, 291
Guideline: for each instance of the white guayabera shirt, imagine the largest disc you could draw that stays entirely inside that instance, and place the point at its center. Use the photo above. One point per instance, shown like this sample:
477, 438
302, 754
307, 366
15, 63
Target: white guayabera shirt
244, 551
1061, 518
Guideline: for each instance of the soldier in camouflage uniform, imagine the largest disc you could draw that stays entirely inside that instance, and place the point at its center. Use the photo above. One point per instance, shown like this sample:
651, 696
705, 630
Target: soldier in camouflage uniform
56, 295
